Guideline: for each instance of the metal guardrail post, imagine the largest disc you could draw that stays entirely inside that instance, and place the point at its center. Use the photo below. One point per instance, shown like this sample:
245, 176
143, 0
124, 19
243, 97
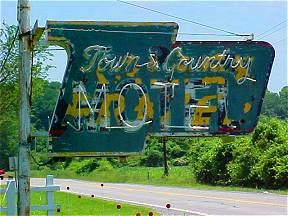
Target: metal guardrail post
50, 196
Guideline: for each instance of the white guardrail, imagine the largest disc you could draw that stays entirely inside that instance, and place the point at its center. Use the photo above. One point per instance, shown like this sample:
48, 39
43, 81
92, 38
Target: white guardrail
10, 195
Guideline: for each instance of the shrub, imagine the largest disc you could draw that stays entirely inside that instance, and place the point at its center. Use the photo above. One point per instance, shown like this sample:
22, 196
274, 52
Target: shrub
83, 165
271, 140
104, 165
211, 165
269, 131
177, 152
180, 161
153, 155
259, 160
152, 158
271, 170
244, 157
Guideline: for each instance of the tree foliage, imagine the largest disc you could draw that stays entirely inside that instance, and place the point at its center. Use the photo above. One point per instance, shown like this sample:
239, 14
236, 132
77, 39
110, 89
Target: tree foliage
43, 107
275, 104
9, 90
259, 160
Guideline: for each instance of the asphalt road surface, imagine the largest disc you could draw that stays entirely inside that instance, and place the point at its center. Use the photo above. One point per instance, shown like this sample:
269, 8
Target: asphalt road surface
183, 201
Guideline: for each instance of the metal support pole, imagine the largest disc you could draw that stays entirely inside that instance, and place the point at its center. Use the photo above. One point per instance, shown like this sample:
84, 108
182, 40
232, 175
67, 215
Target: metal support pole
24, 107
165, 160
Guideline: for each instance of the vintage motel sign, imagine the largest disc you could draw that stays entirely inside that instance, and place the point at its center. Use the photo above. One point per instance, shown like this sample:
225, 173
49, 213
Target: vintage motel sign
125, 81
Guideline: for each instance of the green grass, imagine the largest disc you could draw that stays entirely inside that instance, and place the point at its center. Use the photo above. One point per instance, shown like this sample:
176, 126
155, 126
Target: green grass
179, 176
73, 205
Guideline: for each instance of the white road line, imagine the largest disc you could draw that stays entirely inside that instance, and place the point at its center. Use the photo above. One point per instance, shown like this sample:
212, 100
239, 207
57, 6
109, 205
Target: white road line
140, 203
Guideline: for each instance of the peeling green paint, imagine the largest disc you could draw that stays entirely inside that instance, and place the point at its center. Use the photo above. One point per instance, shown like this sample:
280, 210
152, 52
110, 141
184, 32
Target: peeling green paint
125, 81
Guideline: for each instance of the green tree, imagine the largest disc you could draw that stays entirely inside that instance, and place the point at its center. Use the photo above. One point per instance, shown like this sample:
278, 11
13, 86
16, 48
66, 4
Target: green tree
152, 156
275, 105
271, 140
283, 106
9, 87
44, 105
271, 100
259, 160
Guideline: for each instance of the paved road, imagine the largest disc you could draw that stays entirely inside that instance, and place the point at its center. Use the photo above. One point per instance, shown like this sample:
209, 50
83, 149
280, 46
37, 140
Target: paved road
183, 201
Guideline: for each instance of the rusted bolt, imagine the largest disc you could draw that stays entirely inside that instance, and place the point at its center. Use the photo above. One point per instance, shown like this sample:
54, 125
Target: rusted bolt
118, 206
150, 214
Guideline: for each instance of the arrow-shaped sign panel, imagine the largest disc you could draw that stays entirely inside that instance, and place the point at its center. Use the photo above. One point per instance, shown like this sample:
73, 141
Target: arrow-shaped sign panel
125, 81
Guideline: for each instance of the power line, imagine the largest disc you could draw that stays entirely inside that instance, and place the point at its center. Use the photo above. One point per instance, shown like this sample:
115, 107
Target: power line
54, 49
284, 39
272, 28
143, 32
9, 50
134, 32
184, 19
272, 32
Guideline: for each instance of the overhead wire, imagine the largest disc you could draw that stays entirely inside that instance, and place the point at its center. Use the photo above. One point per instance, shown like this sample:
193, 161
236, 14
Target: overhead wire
184, 19
271, 28
284, 39
54, 49
272, 32
141, 32
133, 32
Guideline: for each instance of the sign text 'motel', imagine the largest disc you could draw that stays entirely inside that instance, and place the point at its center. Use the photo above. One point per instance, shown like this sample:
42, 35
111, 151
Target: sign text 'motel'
125, 81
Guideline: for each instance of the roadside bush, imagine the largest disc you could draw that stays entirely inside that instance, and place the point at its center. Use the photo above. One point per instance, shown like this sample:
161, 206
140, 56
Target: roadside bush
104, 165
177, 152
153, 156
211, 166
198, 146
268, 132
244, 157
177, 149
180, 161
80, 165
271, 140
133, 161
260, 160
271, 171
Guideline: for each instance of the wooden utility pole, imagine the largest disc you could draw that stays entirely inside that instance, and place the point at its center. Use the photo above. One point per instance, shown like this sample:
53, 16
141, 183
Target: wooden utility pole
25, 52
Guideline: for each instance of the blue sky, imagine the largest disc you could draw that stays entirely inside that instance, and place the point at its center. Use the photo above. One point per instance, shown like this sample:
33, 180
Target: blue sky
236, 16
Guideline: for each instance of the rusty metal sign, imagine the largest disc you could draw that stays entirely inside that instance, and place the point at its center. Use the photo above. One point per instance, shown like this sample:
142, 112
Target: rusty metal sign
125, 81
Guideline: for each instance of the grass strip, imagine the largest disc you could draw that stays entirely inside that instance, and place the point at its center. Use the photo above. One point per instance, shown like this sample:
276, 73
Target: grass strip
72, 204
179, 177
